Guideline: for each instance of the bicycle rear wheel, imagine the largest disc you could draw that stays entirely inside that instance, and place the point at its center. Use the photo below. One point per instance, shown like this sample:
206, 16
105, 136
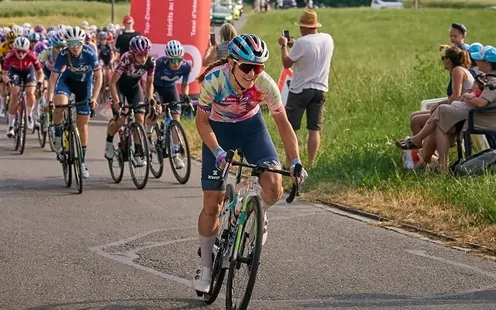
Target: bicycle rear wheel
42, 130
23, 128
66, 160
76, 158
156, 153
222, 242
248, 253
133, 164
116, 164
179, 152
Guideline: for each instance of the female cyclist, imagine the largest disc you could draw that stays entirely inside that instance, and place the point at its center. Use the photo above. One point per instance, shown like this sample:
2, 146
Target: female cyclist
229, 117
73, 73
125, 85
105, 53
21, 65
171, 68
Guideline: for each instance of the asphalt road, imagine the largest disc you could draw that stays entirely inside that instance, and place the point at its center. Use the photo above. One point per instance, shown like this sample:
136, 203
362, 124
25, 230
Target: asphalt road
115, 247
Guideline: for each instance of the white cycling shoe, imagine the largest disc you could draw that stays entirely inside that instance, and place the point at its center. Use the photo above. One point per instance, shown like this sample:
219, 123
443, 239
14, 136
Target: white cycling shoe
202, 279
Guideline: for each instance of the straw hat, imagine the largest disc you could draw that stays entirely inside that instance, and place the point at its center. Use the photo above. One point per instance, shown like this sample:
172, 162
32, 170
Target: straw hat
308, 19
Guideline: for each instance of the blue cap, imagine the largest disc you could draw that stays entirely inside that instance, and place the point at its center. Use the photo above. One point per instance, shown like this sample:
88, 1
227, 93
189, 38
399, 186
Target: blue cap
487, 53
475, 47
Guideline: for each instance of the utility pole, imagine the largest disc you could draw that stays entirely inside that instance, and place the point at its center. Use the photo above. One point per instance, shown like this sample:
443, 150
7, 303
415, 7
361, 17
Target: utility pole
113, 4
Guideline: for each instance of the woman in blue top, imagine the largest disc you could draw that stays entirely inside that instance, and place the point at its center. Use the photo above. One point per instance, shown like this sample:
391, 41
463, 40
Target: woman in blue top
73, 73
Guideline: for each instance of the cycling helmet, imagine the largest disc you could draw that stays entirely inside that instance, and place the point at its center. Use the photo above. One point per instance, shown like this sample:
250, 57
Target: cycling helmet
40, 47
26, 32
34, 36
11, 36
140, 44
84, 24
57, 40
21, 43
88, 37
50, 28
74, 34
26, 25
39, 29
93, 28
102, 36
174, 49
18, 29
249, 47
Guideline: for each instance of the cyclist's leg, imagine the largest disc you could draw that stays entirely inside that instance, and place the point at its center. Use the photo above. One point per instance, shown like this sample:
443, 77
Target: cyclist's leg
3, 95
14, 96
258, 148
213, 196
62, 94
149, 123
30, 82
82, 92
134, 98
113, 126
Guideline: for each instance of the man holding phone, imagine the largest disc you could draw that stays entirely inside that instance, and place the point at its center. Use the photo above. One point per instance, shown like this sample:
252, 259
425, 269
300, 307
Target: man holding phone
311, 56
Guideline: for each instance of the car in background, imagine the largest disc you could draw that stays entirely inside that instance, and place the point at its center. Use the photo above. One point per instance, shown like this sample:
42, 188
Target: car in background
286, 4
387, 4
220, 14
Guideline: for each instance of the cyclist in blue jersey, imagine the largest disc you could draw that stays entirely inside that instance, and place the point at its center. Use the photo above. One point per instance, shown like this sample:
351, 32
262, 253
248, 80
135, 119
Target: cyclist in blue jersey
73, 73
169, 69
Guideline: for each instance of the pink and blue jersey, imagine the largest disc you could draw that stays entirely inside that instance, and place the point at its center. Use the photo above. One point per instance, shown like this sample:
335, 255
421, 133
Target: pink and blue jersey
219, 99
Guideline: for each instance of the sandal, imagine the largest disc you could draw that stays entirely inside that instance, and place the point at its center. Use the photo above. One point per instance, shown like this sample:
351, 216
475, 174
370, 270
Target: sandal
407, 144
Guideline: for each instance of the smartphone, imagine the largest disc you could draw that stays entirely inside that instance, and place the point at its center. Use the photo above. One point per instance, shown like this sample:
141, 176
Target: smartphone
286, 34
212, 38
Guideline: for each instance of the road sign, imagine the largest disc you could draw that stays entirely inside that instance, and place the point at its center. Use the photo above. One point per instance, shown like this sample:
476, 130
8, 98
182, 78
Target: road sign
283, 83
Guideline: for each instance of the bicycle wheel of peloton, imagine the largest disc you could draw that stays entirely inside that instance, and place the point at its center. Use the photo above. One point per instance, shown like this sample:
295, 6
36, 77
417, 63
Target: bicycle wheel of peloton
218, 272
249, 251
175, 128
140, 132
17, 130
76, 157
66, 163
42, 131
156, 153
23, 128
116, 164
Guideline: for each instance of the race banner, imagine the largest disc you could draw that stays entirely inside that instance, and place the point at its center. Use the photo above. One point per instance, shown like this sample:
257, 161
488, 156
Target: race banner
187, 21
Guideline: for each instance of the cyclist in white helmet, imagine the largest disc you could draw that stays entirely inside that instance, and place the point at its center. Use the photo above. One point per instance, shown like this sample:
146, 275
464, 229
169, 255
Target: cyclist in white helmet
168, 70
73, 73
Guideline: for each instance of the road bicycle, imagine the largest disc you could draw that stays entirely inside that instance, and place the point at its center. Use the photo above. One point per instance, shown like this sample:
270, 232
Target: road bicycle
71, 154
126, 151
104, 96
237, 244
21, 120
45, 126
163, 145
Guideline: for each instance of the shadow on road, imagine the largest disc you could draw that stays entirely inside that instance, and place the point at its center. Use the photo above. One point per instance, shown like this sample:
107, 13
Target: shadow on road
129, 304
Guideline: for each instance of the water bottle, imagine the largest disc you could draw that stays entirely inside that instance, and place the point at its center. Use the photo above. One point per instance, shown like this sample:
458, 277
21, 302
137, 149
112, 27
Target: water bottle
66, 140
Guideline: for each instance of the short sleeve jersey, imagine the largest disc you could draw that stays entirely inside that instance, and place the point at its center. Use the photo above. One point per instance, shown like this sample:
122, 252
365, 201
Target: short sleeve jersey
219, 99
131, 72
166, 77
78, 68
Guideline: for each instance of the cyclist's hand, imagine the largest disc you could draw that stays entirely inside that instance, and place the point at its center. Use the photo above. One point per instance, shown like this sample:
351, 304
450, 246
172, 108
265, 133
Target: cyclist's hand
303, 174
220, 158
93, 103
116, 106
187, 99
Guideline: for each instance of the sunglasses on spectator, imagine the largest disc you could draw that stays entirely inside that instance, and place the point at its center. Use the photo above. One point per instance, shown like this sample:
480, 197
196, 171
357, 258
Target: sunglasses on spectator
443, 58
71, 44
175, 61
248, 67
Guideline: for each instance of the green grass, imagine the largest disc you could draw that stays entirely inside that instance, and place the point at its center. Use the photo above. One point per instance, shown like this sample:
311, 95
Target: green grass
55, 12
385, 63
473, 4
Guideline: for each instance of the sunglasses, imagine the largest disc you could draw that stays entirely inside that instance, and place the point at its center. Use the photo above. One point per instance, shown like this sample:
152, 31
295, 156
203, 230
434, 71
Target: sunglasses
71, 44
443, 58
141, 55
175, 61
248, 67
20, 53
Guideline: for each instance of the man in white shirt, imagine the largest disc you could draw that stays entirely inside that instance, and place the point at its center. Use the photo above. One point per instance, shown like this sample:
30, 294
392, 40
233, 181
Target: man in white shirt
311, 56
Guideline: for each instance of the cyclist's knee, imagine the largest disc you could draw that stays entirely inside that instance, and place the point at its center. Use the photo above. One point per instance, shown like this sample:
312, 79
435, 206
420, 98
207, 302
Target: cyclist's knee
271, 185
212, 202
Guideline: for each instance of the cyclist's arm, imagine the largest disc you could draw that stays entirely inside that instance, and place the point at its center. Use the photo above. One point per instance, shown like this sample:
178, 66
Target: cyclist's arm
205, 130
5, 71
113, 85
185, 85
51, 85
149, 87
39, 71
287, 134
98, 77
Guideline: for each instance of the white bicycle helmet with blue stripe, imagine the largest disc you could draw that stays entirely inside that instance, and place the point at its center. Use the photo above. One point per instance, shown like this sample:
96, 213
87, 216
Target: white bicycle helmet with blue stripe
249, 47
174, 49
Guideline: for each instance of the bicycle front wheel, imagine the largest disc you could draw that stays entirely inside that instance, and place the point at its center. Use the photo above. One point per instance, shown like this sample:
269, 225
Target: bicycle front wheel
116, 164
22, 128
156, 153
42, 130
247, 251
179, 154
76, 157
141, 159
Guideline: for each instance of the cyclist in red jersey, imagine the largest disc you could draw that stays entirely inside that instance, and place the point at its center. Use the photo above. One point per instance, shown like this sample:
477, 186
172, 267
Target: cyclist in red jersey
21, 65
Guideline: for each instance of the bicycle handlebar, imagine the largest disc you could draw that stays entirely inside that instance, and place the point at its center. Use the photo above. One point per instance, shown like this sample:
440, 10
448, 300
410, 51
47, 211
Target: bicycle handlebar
295, 190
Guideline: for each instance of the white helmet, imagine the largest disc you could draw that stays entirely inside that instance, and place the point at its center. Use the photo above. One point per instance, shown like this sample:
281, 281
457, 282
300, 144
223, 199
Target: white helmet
21, 43
85, 24
26, 32
18, 29
26, 25
93, 28
74, 34
174, 49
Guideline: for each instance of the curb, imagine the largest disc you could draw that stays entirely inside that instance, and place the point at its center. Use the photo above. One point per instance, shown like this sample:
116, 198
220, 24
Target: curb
470, 246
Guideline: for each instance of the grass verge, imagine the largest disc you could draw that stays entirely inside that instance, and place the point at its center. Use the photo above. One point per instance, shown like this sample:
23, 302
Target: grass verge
385, 63
59, 12
460, 4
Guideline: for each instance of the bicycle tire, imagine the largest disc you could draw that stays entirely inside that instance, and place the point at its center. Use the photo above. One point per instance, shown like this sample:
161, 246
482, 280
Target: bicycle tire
23, 128
42, 131
141, 133
185, 146
254, 204
51, 135
218, 273
66, 163
17, 136
157, 173
117, 177
76, 158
